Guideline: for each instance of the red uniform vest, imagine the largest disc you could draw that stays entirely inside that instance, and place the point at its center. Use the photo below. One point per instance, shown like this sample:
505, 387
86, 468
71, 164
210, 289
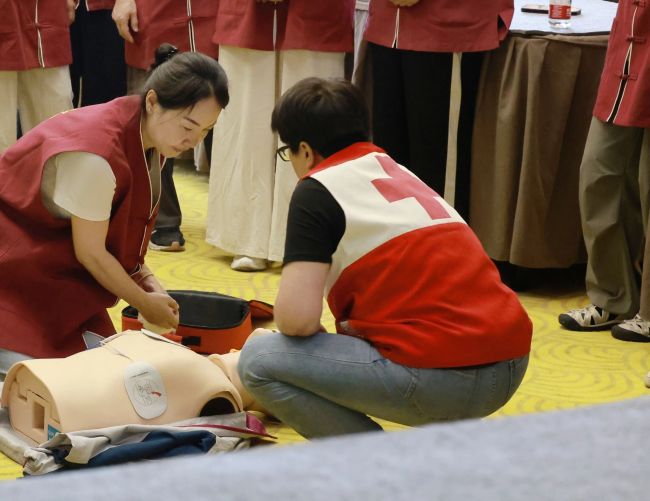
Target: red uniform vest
623, 95
35, 34
409, 275
326, 26
46, 295
188, 25
92, 5
440, 25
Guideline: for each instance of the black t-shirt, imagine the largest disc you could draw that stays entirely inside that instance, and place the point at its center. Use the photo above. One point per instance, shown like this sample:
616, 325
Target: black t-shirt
315, 225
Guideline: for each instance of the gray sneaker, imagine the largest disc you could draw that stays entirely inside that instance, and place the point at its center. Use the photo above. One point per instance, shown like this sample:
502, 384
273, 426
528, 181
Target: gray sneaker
635, 329
589, 318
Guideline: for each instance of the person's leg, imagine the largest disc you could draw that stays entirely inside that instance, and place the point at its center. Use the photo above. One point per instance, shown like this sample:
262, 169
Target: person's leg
427, 87
42, 93
644, 187
638, 328
167, 234
611, 216
76, 43
103, 70
243, 157
9, 92
390, 128
611, 224
295, 65
470, 73
329, 384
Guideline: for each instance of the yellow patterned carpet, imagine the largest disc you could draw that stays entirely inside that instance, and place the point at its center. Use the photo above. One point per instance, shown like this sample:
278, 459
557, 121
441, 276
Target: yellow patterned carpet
566, 369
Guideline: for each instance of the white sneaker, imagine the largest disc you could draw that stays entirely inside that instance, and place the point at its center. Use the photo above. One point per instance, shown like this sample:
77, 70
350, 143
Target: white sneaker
245, 263
635, 329
589, 318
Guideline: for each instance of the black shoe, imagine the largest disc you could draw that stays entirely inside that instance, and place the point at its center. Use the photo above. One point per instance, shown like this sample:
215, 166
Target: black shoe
167, 240
636, 330
589, 318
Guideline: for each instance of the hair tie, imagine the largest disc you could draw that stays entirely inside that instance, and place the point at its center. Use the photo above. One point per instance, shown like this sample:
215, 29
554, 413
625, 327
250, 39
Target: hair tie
173, 50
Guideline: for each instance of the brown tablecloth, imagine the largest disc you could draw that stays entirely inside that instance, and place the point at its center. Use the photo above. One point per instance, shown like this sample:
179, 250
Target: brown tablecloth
532, 117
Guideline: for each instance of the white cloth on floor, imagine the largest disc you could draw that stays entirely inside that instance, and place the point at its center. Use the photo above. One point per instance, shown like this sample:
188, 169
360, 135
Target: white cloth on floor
231, 431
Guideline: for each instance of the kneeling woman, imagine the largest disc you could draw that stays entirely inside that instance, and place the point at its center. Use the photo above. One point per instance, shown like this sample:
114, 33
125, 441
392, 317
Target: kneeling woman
426, 330
78, 199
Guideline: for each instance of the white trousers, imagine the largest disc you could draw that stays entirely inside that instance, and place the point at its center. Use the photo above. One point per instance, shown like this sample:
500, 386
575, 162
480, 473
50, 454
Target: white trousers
249, 190
36, 94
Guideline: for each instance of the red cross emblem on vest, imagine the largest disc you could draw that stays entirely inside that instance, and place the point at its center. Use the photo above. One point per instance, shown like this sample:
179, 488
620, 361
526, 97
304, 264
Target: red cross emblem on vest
401, 185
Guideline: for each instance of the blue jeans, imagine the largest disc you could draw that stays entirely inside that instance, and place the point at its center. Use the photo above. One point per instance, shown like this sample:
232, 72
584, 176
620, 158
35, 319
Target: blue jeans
329, 384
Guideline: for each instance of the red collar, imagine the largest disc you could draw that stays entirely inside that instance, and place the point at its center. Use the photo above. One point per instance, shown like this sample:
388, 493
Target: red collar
352, 152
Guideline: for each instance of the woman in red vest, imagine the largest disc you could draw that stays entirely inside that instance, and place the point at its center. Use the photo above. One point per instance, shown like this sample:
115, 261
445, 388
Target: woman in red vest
79, 197
265, 47
425, 332
144, 25
411, 44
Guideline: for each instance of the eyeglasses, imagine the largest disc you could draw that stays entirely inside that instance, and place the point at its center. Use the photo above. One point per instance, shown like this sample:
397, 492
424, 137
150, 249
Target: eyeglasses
283, 152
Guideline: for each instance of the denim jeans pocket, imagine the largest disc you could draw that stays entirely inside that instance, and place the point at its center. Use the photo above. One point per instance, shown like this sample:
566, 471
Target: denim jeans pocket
518, 368
397, 379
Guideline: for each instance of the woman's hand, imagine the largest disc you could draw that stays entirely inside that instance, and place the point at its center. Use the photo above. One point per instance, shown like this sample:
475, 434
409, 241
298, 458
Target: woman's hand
404, 3
125, 15
89, 240
159, 309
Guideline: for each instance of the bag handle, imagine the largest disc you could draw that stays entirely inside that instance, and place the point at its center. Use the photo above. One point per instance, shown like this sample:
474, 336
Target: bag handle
261, 310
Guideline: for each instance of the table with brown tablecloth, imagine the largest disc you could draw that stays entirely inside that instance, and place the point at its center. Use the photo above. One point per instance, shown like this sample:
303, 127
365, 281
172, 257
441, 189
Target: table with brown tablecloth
534, 107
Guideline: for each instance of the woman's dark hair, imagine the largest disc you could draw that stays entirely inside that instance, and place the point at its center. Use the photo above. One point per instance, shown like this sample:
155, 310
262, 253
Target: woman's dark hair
181, 79
328, 114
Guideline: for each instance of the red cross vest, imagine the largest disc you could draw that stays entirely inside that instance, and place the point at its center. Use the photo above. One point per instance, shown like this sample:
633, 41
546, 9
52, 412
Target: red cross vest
46, 295
409, 275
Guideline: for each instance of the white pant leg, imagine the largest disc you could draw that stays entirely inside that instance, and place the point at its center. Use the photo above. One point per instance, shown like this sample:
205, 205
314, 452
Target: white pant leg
243, 155
9, 93
295, 66
42, 93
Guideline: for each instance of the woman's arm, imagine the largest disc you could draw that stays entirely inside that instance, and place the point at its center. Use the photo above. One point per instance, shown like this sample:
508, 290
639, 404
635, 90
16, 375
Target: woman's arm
89, 239
299, 304
149, 282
